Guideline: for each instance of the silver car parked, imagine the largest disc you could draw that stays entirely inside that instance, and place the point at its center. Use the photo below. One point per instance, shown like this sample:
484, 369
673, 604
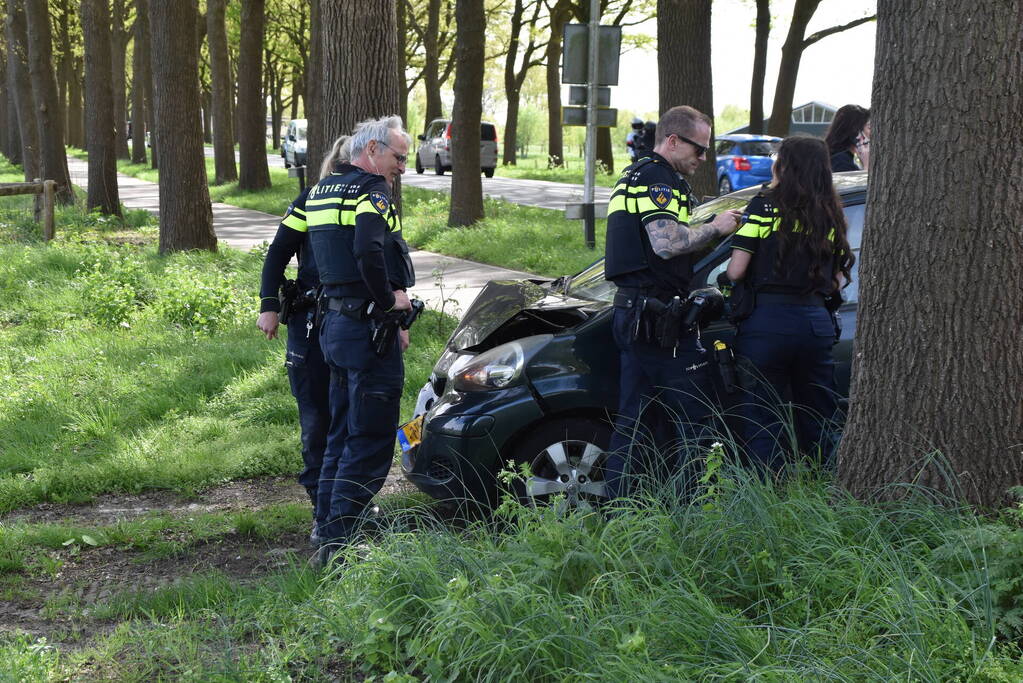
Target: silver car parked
435, 148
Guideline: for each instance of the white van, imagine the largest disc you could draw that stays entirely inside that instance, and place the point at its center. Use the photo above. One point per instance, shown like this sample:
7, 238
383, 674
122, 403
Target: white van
293, 147
435, 148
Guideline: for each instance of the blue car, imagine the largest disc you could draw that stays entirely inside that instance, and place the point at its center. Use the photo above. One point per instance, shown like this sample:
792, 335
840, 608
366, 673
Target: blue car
744, 160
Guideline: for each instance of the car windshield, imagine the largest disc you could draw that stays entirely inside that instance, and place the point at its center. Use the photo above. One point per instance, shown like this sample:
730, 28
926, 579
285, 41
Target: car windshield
300, 133
590, 283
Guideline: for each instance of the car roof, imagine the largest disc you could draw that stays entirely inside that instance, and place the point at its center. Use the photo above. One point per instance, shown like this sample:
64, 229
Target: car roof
746, 137
848, 183
449, 121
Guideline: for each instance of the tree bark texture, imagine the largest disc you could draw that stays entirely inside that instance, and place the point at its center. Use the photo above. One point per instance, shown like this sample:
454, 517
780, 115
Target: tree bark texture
53, 160
139, 66
756, 97
119, 36
401, 17
937, 363
316, 143
220, 75
431, 67
146, 47
561, 12
186, 218
75, 117
788, 70
684, 71
515, 75
254, 173
99, 109
360, 58
467, 113
21, 88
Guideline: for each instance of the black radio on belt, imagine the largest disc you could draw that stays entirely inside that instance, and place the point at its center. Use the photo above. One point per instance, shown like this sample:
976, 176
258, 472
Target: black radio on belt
385, 329
295, 300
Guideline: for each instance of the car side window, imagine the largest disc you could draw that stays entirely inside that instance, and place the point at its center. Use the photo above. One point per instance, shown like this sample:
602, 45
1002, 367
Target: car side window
854, 215
724, 147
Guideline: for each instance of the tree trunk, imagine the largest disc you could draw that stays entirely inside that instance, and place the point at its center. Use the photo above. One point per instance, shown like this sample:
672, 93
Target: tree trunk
139, 65
561, 12
605, 151
53, 160
206, 97
273, 89
220, 75
684, 71
401, 17
146, 47
99, 109
937, 362
756, 96
21, 89
467, 113
65, 62
186, 219
118, 45
361, 50
788, 70
514, 78
75, 106
254, 173
316, 134
431, 67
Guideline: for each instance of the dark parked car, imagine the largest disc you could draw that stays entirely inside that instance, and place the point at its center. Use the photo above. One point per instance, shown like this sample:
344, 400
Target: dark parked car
744, 160
530, 375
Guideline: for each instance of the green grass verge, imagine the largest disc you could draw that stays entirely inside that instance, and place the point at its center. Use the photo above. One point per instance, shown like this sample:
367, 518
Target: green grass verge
535, 168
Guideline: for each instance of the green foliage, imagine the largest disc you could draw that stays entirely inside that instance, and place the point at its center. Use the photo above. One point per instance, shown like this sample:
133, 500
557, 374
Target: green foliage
197, 298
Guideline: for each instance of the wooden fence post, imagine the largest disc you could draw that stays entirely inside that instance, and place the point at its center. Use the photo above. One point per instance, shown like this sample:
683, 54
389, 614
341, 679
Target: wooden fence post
49, 194
37, 201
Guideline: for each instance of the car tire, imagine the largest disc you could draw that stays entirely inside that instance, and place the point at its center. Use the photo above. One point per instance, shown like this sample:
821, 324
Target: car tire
488, 172
437, 167
724, 185
419, 166
565, 456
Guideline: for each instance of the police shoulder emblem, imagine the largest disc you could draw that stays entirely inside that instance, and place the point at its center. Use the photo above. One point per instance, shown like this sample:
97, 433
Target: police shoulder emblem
380, 202
660, 194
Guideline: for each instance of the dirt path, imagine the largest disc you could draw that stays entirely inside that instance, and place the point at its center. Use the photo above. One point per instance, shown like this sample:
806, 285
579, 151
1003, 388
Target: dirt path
57, 604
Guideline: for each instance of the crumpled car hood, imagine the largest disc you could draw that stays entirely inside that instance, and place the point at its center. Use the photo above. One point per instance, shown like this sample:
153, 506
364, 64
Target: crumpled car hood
497, 303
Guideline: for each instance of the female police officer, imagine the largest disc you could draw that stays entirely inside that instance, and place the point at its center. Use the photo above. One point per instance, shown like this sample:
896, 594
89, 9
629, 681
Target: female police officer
793, 252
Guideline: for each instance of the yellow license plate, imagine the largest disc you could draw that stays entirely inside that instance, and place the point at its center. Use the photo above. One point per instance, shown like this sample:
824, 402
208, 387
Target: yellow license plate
410, 433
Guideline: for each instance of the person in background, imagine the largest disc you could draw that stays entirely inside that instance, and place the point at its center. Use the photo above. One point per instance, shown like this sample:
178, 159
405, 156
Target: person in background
633, 137
308, 373
794, 254
848, 137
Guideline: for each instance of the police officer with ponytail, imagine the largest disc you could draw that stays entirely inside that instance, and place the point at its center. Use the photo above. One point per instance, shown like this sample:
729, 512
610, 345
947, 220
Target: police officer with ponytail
355, 233
649, 255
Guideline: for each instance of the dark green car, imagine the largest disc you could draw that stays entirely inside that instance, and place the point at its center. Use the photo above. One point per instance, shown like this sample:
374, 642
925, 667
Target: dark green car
531, 376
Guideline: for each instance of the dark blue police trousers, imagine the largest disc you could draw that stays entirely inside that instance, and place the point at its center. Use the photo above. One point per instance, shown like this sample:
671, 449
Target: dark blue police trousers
791, 395
309, 377
365, 396
663, 409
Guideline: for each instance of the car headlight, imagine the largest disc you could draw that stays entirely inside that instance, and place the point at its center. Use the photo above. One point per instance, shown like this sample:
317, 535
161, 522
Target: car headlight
498, 368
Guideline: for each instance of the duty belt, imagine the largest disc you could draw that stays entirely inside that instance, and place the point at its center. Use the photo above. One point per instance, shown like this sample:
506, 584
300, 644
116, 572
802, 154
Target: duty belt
350, 306
626, 297
790, 299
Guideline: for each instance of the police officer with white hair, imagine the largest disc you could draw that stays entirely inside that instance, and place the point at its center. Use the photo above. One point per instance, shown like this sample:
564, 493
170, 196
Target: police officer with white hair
355, 234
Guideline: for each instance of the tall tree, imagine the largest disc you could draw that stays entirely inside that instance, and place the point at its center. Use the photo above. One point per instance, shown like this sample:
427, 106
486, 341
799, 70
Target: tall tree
139, 76
316, 142
560, 12
223, 139
99, 109
21, 88
254, 174
53, 160
466, 185
429, 44
186, 218
684, 70
796, 42
144, 44
937, 363
360, 56
120, 34
756, 96
516, 70
75, 115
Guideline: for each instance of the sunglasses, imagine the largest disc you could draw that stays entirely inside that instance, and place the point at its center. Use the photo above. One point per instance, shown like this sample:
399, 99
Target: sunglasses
700, 149
400, 158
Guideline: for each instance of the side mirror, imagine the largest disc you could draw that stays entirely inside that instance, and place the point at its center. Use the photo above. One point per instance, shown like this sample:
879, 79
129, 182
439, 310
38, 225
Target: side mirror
291, 137
421, 137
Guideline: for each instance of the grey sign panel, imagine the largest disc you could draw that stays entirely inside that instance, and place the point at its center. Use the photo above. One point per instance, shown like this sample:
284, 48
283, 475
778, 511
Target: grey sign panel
576, 116
575, 54
577, 95
575, 211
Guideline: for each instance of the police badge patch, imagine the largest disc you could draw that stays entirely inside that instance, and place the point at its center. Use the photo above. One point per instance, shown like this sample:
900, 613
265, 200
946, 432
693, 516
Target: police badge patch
660, 194
380, 202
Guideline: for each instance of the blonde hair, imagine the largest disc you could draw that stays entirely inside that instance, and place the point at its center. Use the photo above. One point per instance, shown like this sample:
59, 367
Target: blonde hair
339, 152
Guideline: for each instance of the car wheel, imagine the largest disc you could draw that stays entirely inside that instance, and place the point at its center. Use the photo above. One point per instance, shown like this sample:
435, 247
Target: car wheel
565, 456
724, 186
437, 167
488, 172
419, 166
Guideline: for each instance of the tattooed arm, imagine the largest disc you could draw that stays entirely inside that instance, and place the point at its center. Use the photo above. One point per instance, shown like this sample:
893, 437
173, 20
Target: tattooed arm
669, 238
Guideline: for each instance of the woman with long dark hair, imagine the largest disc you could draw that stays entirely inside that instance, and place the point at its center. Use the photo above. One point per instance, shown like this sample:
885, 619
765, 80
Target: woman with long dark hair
848, 137
793, 254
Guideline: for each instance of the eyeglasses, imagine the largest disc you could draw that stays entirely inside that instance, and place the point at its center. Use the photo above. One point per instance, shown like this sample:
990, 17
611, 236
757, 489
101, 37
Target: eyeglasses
700, 149
400, 158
